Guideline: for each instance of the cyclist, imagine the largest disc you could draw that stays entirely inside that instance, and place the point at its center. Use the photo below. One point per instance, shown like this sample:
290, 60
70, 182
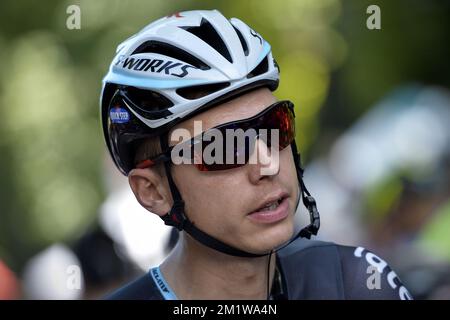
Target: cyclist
197, 67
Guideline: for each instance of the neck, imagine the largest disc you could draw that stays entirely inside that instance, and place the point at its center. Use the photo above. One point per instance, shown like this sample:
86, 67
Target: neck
195, 271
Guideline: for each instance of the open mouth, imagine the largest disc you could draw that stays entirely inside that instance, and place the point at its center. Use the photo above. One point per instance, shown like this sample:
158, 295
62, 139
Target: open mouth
272, 205
271, 211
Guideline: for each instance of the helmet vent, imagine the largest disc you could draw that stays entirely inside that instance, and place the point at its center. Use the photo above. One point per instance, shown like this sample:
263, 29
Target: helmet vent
147, 100
170, 51
197, 92
243, 42
207, 33
261, 68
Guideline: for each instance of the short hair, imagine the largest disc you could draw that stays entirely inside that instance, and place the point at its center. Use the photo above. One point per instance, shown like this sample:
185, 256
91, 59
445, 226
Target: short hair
147, 149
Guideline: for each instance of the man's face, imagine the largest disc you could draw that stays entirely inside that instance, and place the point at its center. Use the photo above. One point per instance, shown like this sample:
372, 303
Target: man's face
221, 202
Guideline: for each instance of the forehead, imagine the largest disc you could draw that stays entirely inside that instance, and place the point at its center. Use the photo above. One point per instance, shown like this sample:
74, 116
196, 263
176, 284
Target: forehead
243, 107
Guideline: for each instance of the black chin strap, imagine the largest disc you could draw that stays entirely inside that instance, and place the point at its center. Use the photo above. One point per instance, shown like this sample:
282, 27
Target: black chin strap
177, 218
308, 201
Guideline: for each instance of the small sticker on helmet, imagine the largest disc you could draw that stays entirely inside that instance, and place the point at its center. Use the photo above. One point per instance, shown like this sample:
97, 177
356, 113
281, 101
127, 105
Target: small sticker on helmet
119, 115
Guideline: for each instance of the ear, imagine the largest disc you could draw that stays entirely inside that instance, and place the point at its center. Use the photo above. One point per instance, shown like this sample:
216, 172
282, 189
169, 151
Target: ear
150, 190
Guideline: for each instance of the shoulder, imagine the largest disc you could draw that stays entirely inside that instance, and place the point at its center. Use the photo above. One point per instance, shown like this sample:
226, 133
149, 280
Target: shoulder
368, 276
142, 288
332, 271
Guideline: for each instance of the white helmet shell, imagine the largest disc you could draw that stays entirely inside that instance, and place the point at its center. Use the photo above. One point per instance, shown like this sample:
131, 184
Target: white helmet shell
191, 49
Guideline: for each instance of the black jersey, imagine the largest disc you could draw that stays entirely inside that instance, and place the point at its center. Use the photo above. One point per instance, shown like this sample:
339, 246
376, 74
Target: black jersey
306, 269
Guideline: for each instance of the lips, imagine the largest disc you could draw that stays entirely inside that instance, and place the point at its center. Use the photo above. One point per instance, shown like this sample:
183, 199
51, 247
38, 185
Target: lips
273, 209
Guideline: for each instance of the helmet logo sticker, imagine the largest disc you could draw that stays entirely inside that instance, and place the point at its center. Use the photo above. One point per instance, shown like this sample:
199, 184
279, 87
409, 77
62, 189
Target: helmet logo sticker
256, 35
119, 115
175, 14
155, 65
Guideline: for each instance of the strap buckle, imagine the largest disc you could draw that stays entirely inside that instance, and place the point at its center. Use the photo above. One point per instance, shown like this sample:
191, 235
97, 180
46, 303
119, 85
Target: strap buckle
175, 217
314, 217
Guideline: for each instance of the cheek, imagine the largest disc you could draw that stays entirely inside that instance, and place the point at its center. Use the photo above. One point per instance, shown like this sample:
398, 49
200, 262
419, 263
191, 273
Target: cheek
288, 172
211, 195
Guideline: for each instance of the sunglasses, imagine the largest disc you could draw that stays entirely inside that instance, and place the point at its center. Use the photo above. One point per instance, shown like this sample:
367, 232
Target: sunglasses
275, 126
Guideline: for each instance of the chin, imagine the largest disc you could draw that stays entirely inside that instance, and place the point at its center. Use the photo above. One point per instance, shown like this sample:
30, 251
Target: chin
273, 237
281, 235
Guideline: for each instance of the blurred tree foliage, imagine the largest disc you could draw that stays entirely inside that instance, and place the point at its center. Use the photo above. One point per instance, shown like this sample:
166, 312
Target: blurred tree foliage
51, 148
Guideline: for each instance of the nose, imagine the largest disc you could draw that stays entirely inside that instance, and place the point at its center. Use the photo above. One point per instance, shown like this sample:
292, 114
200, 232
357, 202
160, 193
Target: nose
264, 162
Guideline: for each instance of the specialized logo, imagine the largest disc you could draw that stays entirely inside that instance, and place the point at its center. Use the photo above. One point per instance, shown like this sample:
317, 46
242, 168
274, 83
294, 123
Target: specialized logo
175, 14
256, 35
119, 115
172, 68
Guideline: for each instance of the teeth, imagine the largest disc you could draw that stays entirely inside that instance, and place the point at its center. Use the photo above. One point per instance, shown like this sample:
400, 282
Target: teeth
272, 206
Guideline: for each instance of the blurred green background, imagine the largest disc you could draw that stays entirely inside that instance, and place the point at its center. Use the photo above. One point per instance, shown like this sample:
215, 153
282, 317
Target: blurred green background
52, 155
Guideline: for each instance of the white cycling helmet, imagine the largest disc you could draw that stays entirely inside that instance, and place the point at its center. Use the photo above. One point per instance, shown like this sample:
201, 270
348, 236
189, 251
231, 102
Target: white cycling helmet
172, 69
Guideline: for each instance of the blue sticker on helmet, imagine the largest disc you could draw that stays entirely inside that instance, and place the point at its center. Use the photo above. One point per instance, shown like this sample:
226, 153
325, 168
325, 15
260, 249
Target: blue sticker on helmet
119, 115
